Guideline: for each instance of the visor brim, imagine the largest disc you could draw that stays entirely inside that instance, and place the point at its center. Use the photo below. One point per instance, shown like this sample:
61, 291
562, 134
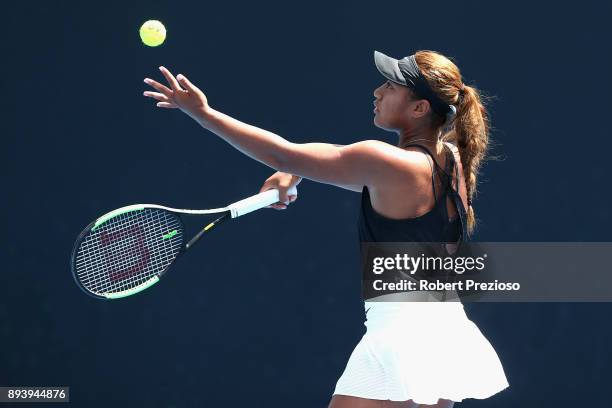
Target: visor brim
389, 68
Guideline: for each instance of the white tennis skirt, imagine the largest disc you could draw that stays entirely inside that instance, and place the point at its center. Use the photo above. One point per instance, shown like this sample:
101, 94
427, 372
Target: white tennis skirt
421, 351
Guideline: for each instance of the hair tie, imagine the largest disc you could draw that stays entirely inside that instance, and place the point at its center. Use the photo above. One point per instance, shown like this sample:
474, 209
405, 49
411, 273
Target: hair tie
450, 115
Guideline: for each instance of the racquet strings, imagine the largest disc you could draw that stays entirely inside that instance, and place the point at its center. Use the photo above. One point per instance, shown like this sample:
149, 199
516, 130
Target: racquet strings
128, 250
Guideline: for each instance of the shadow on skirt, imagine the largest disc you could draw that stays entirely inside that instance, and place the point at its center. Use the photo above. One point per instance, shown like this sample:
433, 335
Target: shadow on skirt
421, 351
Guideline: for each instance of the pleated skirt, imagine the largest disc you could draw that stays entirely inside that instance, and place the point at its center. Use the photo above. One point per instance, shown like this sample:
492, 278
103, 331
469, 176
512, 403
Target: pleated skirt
421, 351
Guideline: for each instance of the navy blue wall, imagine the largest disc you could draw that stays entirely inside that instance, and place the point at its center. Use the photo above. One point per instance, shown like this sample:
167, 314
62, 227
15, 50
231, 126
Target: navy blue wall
247, 318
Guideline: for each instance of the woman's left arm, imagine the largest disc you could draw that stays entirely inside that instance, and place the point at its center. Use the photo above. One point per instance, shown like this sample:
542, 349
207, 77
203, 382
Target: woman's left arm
362, 163
352, 164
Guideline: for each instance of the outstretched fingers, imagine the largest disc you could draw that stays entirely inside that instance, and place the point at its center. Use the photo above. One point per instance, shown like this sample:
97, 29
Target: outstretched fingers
156, 95
168, 105
171, 79
159, 87
186, 83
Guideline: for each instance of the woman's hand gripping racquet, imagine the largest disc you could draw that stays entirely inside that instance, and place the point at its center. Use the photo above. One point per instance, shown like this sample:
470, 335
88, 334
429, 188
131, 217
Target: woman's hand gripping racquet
127, 250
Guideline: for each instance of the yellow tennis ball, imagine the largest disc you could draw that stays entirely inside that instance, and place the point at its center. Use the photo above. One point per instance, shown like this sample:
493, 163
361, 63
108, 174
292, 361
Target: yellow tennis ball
152, 33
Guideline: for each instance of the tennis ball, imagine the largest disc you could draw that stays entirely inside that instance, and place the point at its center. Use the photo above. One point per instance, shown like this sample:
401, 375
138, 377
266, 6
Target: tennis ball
152, 33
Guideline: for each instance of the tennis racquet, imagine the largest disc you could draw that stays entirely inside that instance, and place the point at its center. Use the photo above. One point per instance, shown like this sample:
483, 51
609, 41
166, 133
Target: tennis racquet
127, 250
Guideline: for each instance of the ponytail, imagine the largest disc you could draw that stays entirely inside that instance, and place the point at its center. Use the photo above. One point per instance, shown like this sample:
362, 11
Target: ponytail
469, 128
471, 134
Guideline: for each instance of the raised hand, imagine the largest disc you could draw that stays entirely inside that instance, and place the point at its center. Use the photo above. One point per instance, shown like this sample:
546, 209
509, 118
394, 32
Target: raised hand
181, 94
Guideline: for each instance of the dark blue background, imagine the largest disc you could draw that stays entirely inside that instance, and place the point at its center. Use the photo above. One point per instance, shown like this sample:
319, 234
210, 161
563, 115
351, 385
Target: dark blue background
267, 311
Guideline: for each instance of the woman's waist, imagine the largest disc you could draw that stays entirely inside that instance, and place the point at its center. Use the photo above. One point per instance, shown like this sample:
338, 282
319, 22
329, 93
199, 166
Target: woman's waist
415, 307
414, 296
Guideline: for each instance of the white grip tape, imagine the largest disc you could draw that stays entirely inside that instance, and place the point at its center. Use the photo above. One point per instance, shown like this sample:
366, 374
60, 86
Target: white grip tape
257, 201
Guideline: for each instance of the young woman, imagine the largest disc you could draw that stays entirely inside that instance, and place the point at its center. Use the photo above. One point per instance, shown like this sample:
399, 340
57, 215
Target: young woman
414, 354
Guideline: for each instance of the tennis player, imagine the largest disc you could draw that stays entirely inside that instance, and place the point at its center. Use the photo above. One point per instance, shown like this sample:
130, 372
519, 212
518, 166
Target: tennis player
413, 354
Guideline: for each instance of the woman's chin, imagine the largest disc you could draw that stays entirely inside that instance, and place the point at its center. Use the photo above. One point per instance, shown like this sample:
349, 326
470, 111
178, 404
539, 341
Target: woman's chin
377, 123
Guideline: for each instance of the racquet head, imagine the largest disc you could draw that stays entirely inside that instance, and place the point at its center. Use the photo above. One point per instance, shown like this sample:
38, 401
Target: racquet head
126, 251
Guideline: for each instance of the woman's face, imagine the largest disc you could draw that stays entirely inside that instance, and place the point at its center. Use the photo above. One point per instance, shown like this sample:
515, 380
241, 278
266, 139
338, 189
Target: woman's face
392, 106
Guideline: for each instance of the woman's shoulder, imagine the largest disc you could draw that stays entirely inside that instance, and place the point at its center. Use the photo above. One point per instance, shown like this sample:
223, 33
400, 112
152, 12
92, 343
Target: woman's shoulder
392, 154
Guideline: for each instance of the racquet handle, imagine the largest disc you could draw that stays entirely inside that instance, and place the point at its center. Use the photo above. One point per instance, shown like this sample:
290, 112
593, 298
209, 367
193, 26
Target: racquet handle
257, 201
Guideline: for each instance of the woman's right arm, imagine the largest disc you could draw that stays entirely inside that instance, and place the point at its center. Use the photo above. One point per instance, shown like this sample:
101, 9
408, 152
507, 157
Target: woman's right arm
352, 187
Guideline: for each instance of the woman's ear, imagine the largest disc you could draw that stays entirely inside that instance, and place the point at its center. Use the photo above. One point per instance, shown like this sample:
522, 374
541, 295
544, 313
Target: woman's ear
420, 108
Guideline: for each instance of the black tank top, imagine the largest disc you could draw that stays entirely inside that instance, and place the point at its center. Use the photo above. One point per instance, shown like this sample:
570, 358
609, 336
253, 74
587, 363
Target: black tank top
432, 227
